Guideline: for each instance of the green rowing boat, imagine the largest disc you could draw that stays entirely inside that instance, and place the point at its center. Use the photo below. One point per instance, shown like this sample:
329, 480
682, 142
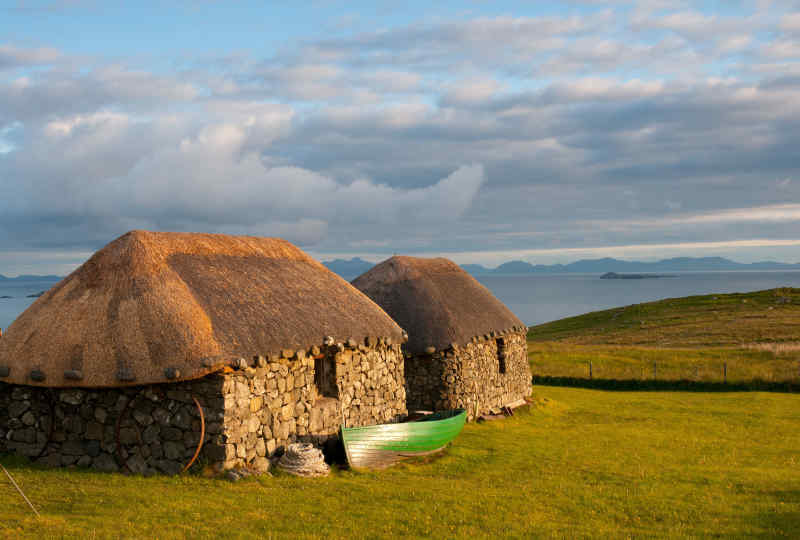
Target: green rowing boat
386, 444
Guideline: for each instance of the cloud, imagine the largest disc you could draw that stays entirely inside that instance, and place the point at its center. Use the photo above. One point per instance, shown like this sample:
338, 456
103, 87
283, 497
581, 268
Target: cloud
455, 45
49, 6
636, 125
790, 23
7, 134
476, 90
782, 48
68, 89
770, 213
14, 57
171, 173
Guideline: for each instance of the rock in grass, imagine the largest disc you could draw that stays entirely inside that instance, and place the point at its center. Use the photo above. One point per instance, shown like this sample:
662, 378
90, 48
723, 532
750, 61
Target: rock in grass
233, 476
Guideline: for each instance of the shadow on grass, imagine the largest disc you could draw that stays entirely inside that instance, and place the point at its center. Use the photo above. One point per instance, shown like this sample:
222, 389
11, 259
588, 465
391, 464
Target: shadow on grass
684, 385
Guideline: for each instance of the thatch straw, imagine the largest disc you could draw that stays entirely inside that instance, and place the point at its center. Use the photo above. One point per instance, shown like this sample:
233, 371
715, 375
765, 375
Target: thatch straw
151, 304
435, 301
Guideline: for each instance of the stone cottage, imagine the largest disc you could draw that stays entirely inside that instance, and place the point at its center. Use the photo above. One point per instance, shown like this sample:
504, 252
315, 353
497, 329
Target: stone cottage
466, 349
166, 347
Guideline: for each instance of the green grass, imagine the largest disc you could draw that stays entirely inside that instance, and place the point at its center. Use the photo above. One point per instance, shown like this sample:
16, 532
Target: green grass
580, 463
747, 319
755, 335
555, 359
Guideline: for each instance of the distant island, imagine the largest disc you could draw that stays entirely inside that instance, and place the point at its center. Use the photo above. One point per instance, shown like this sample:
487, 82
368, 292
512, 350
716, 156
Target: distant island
352, 268
27, 277
614, 275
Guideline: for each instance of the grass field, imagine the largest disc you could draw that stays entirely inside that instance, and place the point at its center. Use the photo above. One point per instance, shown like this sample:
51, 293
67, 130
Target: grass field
579, 463
733, 337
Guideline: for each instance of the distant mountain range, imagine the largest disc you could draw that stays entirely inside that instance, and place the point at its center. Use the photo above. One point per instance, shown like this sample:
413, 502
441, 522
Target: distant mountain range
355, 267
348, 269
27, 277
592, 266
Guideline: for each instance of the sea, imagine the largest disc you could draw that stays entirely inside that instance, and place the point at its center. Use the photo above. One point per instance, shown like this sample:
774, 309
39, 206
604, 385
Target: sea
539, 298
10, 308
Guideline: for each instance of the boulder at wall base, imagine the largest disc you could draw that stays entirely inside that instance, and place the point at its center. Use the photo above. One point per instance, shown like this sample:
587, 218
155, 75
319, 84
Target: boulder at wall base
105, 462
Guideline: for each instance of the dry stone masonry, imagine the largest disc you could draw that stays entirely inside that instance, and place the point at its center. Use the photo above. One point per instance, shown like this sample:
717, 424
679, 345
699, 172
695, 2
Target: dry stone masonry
489, 372
253, 410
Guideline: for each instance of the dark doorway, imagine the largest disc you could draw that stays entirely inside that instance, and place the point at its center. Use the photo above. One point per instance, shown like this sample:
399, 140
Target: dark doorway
325, 377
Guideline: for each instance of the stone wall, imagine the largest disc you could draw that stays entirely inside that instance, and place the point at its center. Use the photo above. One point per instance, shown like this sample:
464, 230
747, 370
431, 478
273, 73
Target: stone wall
159, 425
266, 408
487, 373
252, 410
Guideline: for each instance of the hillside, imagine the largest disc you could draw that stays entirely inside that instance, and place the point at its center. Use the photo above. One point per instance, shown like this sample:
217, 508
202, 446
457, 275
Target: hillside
761, 318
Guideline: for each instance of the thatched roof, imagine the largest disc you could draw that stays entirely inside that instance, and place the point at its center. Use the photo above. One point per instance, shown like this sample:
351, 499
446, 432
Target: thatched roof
151, 301
435, 301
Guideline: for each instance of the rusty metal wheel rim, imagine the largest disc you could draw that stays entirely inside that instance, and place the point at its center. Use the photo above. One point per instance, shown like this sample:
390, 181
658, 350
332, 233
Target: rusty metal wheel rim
202, 435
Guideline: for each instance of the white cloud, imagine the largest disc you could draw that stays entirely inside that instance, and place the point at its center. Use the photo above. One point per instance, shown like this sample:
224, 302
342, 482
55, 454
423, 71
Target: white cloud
776, 212
790, 22
473, 90
12, 57
782, 48
215, 175
392, 81
734, 43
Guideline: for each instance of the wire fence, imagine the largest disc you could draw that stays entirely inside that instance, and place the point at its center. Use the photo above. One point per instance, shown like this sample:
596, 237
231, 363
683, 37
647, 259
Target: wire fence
782, 376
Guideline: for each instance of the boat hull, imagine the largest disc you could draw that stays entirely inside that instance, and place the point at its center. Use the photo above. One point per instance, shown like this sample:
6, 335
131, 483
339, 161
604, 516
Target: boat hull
385, 444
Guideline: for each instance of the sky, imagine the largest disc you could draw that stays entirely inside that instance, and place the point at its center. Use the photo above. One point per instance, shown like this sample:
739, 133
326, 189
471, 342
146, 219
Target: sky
480, 131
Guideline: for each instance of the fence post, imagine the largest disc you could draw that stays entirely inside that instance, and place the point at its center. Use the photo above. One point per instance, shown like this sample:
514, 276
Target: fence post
696, 376
590, 369
655, 371
725, 372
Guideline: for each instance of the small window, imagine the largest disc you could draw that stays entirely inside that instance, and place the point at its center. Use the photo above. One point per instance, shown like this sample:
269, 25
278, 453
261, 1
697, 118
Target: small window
501, 355
325, 376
